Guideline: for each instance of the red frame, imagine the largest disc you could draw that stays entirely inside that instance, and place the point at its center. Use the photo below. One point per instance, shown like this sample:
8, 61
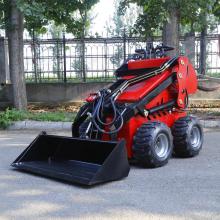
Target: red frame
185, 84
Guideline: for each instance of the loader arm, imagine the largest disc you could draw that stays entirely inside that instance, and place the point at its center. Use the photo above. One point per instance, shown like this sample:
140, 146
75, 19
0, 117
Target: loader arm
112, 93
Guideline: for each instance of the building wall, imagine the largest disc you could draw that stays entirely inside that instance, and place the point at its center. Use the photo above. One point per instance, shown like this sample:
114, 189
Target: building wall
53, 93
75, 92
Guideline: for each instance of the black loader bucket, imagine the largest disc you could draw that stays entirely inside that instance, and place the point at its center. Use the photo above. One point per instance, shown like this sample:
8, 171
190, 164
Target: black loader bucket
81, 161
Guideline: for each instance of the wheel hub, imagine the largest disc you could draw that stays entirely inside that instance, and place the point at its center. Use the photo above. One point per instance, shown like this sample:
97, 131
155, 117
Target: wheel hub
162, 145
195, 137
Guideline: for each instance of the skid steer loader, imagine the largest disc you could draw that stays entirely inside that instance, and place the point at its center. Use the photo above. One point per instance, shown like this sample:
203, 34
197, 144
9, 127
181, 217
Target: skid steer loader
141, 117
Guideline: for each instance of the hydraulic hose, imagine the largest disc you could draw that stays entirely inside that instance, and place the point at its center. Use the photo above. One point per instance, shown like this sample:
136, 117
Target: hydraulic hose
109, 98
117, 116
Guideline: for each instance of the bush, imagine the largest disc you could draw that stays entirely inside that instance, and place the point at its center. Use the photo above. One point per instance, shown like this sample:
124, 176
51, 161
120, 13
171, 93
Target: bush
4, 120
10, 115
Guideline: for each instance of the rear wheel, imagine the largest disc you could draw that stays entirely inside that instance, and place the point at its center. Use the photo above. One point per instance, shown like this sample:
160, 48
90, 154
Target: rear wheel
187, 137
153, 144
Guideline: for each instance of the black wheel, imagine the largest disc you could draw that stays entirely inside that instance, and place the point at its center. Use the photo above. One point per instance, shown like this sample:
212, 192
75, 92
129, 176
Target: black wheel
82, 129
153, 144
80, 117
187, 137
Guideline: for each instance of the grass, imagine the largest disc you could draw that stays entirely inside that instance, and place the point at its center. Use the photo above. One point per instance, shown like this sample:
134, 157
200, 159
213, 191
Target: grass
65, 114
8, 116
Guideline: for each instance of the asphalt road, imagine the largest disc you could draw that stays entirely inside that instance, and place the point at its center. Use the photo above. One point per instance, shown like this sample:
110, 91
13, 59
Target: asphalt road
183, 189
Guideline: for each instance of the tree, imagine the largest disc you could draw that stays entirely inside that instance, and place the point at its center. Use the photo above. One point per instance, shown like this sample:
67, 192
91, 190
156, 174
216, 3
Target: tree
36, 15
74, 15
216, 9
16, 61
119, 22
56, 32
85, 17
167, 15
171, 31
121, 26
158, 15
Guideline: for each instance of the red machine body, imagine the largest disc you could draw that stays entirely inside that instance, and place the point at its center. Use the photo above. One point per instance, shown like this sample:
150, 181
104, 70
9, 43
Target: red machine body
185, 84
141, 116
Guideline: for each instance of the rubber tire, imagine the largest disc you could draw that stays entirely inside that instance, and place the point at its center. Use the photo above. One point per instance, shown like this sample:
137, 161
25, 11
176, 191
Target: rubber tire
144, 144
181, 131
81, 110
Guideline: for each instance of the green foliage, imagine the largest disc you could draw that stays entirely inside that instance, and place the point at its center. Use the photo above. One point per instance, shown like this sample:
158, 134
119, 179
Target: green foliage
10, 115
119, 23
50, 116
7, 117
198, 14
152, 15
39, 13
155, 13
216, 9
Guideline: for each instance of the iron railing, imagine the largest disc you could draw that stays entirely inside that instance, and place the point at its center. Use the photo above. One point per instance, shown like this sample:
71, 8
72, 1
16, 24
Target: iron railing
95, 59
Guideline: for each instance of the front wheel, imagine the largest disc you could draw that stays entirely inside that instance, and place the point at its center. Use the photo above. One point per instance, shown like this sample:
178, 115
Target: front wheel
187, 137
153, 144
79, 119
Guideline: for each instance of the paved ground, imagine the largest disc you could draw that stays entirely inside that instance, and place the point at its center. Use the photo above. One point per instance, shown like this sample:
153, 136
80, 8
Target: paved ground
184, 189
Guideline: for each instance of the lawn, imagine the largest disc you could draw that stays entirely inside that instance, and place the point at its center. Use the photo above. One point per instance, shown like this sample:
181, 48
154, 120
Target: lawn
10, 115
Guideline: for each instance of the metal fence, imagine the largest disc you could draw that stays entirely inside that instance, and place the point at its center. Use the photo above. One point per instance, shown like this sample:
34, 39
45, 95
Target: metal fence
95, 59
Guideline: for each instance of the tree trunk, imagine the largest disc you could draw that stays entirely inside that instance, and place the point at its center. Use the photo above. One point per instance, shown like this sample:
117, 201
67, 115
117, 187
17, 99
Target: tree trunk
16, 56
190, 45
171, 33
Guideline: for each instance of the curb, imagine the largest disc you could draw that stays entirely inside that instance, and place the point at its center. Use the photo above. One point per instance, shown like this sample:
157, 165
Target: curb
210, 123
40, 125
59, 126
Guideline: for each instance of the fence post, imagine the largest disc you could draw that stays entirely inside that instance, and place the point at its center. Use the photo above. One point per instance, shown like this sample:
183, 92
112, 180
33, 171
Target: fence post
202, 63
83, 59
124, 44
189, 43
35, 56
64, 58
105, 56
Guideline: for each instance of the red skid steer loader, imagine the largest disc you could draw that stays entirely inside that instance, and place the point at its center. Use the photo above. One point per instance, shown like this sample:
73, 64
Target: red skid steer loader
141, 117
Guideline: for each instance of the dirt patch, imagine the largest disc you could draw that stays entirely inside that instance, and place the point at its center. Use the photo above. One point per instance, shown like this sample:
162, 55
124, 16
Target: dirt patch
73, 107
204, 111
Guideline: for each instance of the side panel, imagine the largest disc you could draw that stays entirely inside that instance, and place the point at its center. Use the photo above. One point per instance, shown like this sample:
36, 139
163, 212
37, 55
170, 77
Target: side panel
138, 91
187, 80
